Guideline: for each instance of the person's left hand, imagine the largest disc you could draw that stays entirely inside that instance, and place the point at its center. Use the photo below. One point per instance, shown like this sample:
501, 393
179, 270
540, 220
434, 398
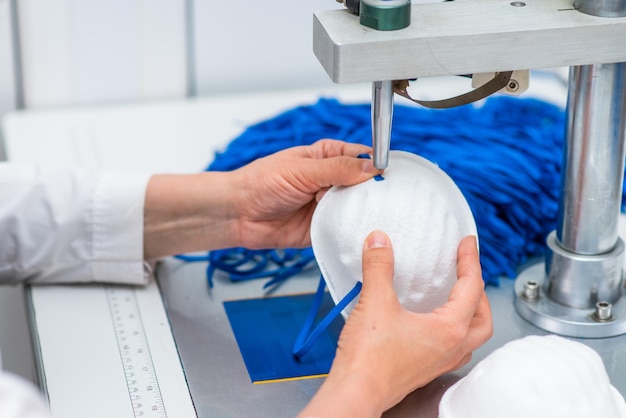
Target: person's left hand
277, 194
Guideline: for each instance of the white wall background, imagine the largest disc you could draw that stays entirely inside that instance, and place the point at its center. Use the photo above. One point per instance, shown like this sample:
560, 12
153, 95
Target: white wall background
255, 45
7, 65
77, 52
80, 52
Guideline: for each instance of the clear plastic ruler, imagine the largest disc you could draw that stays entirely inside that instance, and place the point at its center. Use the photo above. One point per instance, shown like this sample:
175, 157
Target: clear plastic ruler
139, 370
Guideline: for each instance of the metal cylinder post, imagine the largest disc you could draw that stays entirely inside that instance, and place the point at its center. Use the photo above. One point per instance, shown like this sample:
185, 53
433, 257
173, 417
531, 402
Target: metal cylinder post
382, 115
593, 162
582, 280
591, 190
602, 8
585, 254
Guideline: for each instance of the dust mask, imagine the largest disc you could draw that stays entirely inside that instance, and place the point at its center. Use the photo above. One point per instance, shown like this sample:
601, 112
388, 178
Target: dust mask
535, 377
422, 211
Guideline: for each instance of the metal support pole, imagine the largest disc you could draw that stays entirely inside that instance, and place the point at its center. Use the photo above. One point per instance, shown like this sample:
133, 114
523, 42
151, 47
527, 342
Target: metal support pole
584, 263
586, 267
581, 286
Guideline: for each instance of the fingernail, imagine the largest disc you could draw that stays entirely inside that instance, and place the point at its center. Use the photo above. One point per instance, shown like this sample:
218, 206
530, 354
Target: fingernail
376, 239
368, 167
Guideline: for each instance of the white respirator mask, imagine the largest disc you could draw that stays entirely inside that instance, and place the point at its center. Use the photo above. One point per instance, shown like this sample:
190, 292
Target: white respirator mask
425, 216
535, 377
422, 211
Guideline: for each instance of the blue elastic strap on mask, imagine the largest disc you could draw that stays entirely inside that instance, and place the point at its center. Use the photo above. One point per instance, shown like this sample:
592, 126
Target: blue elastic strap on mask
305, 341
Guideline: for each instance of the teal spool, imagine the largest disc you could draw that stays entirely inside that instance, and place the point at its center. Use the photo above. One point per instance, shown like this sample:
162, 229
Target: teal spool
385, 14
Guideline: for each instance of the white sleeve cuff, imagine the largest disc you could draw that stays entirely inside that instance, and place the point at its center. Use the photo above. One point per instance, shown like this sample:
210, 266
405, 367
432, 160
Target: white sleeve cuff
71, 226
117, 236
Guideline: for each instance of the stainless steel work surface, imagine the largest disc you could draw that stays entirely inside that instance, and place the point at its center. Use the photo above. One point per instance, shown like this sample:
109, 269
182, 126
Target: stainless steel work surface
217, 376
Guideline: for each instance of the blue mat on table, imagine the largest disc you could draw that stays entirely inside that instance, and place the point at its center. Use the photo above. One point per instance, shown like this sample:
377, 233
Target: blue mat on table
265, 330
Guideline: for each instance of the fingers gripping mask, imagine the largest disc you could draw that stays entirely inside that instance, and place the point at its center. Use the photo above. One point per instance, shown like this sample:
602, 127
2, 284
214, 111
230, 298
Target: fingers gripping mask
422, 211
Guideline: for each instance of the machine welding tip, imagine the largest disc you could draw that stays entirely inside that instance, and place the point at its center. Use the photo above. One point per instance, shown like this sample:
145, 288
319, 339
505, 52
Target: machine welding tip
382, 114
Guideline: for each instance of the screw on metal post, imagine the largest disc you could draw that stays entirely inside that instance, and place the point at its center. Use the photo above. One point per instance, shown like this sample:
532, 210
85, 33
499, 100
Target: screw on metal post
603, 312
531, 291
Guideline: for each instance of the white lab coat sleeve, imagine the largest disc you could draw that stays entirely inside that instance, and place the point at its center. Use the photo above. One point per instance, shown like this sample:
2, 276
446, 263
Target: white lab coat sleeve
71, 225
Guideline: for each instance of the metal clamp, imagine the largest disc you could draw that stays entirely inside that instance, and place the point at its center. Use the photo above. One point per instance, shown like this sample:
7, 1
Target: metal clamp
500, 81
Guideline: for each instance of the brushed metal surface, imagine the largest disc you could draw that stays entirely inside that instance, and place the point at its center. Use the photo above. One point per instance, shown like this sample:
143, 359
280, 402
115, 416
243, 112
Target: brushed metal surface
464, 37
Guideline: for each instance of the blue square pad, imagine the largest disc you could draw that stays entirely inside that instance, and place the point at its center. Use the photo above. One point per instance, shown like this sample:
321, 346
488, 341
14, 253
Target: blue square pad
266, 330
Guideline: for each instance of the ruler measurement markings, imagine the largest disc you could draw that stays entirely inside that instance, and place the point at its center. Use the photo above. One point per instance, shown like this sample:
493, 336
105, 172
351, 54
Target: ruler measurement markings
141, 379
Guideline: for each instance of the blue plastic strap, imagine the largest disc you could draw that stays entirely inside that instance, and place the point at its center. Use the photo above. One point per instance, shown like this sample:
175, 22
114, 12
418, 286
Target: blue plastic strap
192, 258
245, 264
305, 341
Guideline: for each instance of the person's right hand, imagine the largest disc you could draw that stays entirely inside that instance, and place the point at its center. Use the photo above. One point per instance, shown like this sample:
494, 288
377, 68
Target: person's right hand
267, 203
385, 352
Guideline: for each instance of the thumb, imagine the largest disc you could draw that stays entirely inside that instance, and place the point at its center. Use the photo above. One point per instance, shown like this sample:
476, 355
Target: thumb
378, 265
339, 171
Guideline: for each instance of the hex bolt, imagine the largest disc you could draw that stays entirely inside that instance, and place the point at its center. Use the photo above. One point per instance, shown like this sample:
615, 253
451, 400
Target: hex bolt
531, 290
604, 311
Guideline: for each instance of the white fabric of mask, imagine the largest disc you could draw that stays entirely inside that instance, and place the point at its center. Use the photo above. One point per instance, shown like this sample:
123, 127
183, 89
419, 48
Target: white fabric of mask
422, 211
535, 377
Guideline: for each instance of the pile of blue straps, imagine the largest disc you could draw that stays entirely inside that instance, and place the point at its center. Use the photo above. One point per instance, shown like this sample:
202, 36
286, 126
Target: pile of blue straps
504, 154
